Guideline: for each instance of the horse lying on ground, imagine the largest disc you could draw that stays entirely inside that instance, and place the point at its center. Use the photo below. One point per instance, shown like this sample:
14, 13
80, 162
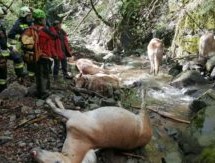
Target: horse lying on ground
87, 66
105, 127
100, 83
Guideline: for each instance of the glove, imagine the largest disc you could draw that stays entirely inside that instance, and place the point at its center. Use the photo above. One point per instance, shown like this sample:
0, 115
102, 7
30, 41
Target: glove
11, 47
15, 56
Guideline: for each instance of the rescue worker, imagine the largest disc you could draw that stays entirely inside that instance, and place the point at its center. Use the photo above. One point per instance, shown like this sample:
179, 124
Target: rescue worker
64, 51
43, 52
22, 23
7, 52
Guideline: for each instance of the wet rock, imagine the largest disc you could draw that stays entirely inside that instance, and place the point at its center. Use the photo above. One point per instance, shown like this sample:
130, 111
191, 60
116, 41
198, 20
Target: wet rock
196, 64
93, 106
93, 100
32, 90
108, 102
210, 64
5, 139
197, 105
172, 132
190, 65
40, 103
15, 91
175, 70
173, 157
188, 144
207, 99
79, 101
160, 147
203, 126
200, 134
188, 78
212, 75
191, 91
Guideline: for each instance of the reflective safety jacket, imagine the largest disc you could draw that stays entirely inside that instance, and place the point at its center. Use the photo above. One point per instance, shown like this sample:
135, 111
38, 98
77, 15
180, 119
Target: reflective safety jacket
18, 28
3, 82
4, 53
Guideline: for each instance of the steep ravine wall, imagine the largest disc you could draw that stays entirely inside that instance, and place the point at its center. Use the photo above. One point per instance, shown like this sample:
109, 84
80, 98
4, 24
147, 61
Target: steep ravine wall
195, 18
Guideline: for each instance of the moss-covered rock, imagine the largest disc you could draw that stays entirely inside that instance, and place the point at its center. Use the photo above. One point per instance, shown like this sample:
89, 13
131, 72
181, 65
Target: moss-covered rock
199, 137
189, 78
191, 25
189, 43
207, 99
203, 127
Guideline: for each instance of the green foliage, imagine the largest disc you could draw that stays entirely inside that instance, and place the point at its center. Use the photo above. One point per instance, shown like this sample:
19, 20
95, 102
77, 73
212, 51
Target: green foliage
130, 7
207, 7
198, 120
35, 3
135, 27
130, 97
207, 155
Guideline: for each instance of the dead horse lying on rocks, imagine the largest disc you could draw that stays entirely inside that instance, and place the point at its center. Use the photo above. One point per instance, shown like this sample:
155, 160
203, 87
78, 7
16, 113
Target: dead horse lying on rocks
101, 83
105, 127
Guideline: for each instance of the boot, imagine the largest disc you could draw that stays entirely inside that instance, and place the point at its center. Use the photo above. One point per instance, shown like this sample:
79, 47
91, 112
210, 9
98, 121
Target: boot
68, 76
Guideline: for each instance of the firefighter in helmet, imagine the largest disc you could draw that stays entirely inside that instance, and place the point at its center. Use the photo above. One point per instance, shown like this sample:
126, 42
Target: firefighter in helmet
22, 23
7, 52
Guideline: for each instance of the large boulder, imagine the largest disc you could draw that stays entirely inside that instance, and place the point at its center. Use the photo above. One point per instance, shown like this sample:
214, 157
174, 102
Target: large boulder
210, 64
207, 99
15, 91
199, 136
189, 78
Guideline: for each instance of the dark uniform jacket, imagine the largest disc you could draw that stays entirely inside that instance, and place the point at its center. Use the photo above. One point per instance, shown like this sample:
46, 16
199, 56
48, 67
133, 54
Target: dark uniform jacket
3, 36
18, 28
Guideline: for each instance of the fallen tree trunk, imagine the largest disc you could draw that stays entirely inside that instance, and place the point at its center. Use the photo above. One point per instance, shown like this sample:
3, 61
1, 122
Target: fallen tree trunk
168, 115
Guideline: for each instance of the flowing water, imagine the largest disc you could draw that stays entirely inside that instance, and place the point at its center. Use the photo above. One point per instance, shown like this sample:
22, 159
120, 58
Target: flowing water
153, 92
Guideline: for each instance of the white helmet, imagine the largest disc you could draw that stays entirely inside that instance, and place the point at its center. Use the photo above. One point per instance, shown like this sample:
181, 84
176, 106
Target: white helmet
24, 11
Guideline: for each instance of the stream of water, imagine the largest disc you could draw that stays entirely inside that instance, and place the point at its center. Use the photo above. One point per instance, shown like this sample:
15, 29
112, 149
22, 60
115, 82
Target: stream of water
134, 72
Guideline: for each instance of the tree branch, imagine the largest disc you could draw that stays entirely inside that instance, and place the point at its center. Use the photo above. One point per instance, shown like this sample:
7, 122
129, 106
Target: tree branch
83, 19
8, 7
99, 16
